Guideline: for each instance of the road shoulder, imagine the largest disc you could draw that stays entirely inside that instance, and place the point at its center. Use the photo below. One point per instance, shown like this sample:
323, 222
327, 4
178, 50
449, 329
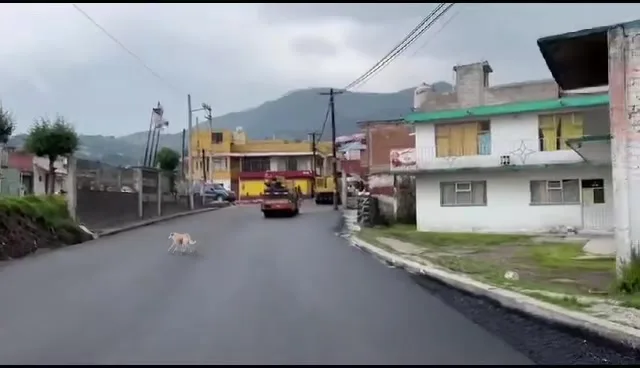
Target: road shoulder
545, 311
155, 220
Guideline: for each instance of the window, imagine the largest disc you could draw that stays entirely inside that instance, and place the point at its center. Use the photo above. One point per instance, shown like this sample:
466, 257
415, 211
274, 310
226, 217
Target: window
216, 138
256, 164
593, 191
554, 130
468, 193
219, 164
464, 139
555, 191
291, 164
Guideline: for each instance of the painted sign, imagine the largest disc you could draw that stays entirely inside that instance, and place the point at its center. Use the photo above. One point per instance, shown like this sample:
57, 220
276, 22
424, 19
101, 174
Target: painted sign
403, 159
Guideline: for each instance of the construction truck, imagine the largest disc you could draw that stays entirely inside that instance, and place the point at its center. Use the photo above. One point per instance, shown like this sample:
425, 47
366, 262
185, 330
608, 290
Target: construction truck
324, 189
280, 197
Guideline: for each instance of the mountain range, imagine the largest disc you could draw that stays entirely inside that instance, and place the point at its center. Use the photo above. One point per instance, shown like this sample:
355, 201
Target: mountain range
291, 116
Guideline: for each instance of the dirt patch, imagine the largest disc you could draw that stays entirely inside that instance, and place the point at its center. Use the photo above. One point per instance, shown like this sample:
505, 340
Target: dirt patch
28, 224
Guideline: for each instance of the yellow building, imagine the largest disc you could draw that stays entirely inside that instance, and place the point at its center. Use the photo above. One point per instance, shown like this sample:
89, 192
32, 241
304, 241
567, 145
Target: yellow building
229, 158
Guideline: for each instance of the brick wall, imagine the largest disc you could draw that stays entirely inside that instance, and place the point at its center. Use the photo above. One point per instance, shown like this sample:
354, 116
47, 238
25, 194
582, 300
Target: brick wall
381, 138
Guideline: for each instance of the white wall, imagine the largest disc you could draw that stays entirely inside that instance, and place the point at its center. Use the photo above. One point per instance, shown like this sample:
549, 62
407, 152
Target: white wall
508, 206
508, 134
39, 181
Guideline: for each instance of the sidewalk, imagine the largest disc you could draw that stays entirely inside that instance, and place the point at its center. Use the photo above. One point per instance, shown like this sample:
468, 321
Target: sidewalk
535, 272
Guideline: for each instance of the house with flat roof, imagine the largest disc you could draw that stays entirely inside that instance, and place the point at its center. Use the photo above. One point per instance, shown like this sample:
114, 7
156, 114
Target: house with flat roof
609, 56
537, 160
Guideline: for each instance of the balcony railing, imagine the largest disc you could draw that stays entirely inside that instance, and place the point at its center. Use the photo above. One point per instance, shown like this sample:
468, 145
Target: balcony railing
521, 152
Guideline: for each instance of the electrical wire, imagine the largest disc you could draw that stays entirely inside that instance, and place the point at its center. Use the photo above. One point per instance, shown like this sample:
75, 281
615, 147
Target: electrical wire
384, 63
444, 25
421, 46
125, 48
424, 25
405, 39
324, 123
408, 39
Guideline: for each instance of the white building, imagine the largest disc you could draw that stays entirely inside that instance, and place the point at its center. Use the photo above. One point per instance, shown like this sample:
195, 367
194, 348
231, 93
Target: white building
531, 166
42, 176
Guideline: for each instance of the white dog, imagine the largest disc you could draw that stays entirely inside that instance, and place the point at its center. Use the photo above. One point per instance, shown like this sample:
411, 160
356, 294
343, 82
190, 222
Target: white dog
181, 242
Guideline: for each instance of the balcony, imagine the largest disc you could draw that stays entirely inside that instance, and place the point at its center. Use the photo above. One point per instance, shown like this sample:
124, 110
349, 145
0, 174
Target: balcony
513, 153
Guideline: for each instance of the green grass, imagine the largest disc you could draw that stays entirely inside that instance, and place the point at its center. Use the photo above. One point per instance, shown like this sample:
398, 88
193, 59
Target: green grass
49, 211
409, 234
566, 301
562, 256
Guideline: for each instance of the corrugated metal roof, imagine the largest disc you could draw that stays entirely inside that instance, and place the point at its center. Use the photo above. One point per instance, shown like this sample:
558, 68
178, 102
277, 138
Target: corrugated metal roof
511, 108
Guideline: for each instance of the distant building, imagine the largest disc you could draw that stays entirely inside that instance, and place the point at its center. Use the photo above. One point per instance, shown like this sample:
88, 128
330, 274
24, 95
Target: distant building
228, 157
383, 137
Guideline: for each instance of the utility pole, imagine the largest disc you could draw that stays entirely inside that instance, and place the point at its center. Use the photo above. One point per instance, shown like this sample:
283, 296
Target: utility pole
314, 149
332, 107
184, 132
207, 109
146, 147
189, 149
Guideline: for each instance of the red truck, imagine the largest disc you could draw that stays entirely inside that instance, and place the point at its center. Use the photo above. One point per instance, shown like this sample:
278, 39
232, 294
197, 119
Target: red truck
279, 200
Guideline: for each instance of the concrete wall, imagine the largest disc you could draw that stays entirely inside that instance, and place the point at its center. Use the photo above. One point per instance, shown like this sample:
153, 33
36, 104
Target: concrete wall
473, 89
105, 210
508, 207
511, 133
624, 93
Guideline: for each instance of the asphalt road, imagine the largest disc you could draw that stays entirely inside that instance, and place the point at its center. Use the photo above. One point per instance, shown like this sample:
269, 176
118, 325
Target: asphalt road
261, 291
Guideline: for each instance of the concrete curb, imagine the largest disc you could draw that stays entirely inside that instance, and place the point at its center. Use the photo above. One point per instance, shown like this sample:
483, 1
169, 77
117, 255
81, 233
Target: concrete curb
547, 312
155, 221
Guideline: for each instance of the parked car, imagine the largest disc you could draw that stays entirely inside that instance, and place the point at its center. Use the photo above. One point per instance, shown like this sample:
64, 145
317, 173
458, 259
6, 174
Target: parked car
218, 193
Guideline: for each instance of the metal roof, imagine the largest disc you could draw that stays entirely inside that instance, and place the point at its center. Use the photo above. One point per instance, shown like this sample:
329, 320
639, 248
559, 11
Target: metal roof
353, 146
580, 59
511, 108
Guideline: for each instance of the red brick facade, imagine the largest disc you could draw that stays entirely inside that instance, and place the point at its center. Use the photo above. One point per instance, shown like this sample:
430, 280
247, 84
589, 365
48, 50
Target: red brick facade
382, 137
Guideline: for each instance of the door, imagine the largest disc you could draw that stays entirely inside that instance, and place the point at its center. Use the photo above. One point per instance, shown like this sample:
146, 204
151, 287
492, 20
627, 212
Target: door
597, 213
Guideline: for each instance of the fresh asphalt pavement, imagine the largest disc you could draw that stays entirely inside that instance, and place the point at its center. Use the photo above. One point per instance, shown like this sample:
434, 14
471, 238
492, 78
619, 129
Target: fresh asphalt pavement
260, 291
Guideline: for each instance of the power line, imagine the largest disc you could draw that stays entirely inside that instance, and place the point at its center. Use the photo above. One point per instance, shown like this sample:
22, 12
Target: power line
123, 47
384, 63
413, 31
324, 123
391, 54
421, 46
427, 41
444, 25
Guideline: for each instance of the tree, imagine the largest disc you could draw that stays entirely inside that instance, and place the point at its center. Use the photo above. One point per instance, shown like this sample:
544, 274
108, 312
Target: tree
168, 159
6, 126
52, 140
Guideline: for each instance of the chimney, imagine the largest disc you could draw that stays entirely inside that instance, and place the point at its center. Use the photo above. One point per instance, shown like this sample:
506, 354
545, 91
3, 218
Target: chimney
471, 81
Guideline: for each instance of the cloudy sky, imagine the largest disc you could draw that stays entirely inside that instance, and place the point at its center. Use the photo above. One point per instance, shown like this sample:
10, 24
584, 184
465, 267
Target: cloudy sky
235, 56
